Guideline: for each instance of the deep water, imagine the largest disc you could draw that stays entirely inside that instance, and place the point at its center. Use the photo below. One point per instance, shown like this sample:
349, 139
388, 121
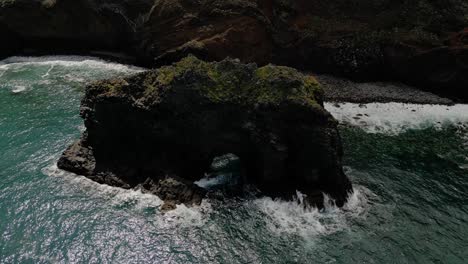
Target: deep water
408, 163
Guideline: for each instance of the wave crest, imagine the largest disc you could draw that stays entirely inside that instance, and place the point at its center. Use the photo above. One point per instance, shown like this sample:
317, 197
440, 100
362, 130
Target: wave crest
395, 118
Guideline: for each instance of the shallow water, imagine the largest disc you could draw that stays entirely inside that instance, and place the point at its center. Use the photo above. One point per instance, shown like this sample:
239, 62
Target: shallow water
409, 168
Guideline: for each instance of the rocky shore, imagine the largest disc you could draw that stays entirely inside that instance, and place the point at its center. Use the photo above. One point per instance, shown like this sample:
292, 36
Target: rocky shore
338, 90
160, 130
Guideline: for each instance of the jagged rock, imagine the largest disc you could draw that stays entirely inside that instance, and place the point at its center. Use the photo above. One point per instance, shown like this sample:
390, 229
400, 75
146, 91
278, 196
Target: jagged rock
78, 159
173, 121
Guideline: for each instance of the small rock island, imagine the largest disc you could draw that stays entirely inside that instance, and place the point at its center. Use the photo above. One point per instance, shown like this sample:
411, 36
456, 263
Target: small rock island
161, 129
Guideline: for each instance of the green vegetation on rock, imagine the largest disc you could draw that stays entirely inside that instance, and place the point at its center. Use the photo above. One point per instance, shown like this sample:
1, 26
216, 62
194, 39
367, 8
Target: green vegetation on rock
225, 81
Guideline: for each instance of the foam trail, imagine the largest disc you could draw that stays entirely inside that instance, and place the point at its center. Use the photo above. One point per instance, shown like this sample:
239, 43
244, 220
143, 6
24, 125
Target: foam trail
48, 71
394, 118
136, 199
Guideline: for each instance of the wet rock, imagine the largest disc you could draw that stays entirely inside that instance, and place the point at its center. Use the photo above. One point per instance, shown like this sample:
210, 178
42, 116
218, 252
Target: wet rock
78, 158
162, 129
174, 190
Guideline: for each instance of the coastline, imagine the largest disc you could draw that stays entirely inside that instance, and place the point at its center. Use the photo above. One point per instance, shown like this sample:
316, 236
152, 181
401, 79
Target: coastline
340, 90
337, 89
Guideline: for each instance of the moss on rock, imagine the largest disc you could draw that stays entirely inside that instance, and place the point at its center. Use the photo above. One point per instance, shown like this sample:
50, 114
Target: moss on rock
225, 81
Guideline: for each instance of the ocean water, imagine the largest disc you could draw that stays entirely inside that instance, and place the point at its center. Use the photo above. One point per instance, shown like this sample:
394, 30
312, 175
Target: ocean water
408, 163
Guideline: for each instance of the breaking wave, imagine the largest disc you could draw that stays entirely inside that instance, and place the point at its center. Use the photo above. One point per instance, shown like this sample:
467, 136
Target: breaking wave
65, 61
293, 217
395, 118
134, 199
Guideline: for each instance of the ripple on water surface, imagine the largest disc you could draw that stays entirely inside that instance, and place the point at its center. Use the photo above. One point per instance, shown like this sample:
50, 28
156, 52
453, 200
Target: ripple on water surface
409, 202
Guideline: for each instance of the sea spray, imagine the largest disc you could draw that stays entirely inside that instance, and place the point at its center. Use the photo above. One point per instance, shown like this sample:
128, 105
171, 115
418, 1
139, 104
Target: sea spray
296, 218
291, 217
209, 182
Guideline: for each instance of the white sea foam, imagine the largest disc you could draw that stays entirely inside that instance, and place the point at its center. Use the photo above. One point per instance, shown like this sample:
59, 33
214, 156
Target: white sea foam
116, 196
135, 198
292, 217
68, 61
209, 182
187, 216
18, 89
395, 118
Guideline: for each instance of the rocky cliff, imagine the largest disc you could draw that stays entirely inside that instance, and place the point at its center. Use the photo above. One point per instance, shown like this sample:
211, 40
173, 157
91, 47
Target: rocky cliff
161, 130
414, 41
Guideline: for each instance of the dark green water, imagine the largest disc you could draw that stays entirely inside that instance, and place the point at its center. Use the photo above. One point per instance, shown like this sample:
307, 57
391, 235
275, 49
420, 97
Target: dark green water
410, 170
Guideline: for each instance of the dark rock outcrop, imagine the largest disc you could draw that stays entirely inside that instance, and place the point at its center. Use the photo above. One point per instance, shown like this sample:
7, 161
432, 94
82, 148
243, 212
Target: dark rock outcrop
162, 129
442, 70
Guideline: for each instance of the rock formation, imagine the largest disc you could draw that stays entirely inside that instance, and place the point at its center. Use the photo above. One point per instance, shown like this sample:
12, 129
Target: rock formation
162, 129
443, 70
70, 26
405, 40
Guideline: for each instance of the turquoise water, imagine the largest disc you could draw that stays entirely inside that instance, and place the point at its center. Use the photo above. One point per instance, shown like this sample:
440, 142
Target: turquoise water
410, 205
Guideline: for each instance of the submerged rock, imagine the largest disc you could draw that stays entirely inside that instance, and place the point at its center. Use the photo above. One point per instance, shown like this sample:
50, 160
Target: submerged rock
162, 129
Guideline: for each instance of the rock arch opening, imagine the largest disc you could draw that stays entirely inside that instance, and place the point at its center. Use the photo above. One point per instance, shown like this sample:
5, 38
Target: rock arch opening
225, 172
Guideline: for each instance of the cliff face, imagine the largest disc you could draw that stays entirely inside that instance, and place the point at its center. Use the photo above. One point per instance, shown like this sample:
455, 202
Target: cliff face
211, 29
52, 26
363, 39
163, 128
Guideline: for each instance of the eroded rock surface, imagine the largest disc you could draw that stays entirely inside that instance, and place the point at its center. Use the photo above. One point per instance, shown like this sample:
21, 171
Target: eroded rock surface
162, 129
